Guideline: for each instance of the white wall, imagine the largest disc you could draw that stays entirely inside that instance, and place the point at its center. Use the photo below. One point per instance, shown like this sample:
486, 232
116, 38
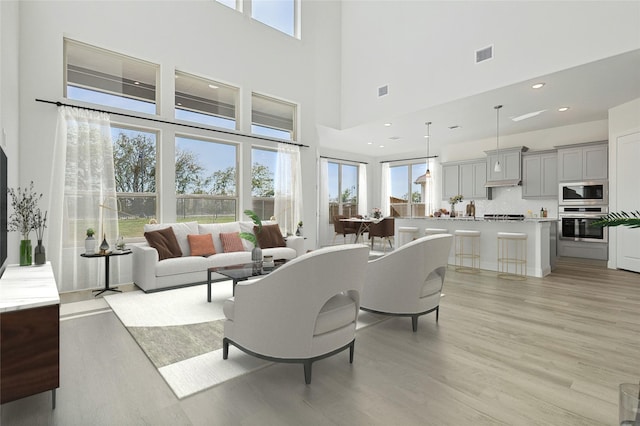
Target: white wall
9, 27
425, 50
623, 120
201, 37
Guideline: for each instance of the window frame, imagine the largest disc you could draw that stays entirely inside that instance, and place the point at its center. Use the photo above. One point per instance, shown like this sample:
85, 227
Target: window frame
352, 210
293, 131
413, 208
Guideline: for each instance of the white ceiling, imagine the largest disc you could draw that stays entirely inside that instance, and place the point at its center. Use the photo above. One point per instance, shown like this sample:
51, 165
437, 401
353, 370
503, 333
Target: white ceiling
589, 91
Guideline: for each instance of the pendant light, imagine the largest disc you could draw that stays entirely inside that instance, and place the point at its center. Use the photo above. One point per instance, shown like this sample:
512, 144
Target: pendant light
428, 172
497, 168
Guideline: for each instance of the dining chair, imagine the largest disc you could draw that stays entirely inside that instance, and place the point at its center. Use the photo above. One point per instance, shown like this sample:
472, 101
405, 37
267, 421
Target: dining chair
384, 229
342, 228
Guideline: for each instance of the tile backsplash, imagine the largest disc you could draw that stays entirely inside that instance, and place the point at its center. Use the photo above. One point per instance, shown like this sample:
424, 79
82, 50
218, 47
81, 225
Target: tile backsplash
508, 200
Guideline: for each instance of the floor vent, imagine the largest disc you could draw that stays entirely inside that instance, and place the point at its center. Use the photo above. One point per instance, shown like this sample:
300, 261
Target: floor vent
484, 54
383, 90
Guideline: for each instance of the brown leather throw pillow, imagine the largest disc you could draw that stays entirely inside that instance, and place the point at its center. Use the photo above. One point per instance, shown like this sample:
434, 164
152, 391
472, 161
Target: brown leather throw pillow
270, 236
165, 242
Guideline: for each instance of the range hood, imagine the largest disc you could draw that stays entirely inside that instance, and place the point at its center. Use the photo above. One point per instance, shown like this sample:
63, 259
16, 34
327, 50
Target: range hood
506, 182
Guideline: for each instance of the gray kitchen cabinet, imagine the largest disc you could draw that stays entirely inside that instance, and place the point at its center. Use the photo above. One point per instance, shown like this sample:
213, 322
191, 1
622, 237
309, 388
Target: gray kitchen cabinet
466, 178
450, 181
583, 162
540, 175
510, 160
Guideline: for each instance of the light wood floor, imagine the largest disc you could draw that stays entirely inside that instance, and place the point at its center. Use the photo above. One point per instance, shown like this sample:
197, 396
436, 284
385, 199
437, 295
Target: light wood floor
548, 351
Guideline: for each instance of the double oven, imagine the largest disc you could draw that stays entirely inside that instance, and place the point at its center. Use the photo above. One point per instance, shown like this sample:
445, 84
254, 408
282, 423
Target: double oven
581, 204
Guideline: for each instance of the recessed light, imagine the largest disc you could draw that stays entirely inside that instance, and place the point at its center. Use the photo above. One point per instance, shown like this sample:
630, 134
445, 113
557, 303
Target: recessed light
563, 109
381, 146
136, 82
213, 86
369, 143
387, 124
426, 136
537, 86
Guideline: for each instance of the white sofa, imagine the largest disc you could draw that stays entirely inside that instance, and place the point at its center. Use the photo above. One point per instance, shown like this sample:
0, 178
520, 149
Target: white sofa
151, 274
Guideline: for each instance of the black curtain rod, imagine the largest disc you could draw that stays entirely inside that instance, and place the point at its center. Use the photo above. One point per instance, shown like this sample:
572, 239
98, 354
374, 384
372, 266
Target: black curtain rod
342, 159
409, 159
157, 120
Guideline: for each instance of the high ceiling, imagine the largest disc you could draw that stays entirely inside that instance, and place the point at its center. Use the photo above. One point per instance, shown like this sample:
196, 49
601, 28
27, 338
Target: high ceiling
588, 90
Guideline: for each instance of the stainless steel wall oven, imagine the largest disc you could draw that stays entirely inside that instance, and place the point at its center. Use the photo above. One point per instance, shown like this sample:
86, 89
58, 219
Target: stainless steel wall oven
576, 223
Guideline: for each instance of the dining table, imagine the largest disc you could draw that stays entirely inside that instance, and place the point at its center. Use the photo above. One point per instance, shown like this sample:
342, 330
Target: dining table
362, 225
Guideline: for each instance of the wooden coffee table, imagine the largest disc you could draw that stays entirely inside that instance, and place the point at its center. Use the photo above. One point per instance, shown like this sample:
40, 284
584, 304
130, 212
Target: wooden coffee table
239, 273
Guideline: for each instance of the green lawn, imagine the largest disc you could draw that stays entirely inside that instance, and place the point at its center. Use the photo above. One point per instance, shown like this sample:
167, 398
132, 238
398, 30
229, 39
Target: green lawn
132, 228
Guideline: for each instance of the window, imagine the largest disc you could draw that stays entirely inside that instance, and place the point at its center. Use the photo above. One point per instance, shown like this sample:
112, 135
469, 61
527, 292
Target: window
343, 190
273, 118
406, 190
229, 3
278, 14
107, 78
205, 101
263, 166
134, 160
206, 181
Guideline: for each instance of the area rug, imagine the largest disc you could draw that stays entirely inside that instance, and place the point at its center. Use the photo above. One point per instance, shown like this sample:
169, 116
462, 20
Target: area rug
181, 334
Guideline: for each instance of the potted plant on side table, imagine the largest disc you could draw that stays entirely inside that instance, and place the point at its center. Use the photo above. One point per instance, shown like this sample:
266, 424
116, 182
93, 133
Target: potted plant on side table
90, 242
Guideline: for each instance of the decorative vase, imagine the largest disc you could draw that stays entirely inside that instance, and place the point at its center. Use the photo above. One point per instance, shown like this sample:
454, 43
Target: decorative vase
25, 252
104, 246
453, 211
39, 254
299, 231
90, 245
256, 258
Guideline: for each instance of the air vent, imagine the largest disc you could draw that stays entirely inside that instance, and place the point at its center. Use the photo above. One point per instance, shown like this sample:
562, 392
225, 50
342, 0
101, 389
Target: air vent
383, 90
484, 54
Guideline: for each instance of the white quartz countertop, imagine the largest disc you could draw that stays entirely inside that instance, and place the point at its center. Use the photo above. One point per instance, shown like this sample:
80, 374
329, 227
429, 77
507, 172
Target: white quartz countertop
480, 219
26, 287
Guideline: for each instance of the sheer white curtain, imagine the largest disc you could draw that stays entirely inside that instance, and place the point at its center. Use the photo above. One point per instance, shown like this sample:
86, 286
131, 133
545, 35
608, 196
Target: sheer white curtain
288, 188
323, 204
83, 195
385, 185
363, 208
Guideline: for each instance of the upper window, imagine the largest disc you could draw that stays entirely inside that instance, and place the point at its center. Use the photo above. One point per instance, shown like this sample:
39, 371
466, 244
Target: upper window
205, 101
278, 14
107, 78
134, 161
272, 117
206, 181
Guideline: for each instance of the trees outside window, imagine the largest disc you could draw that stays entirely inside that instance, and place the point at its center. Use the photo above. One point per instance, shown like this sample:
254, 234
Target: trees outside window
263, 166
406, 195
134, 160
206, 181
343, 189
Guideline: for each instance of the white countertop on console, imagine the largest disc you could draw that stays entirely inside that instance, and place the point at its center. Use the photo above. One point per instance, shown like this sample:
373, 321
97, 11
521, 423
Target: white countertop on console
481, 219
26, 287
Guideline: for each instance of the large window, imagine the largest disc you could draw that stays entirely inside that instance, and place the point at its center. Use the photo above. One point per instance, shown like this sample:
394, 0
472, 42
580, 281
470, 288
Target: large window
134, 160
278, 14
205, 101
206, 181
407, 191
263, 167
272, 117
107, 78
343, 189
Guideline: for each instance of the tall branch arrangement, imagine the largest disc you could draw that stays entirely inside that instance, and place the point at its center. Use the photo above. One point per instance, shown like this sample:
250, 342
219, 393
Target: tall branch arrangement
26, 215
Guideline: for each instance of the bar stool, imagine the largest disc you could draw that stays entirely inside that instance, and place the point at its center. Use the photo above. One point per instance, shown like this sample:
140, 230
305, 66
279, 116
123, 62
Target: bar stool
516, 241
406, 234
435, 231
467, 246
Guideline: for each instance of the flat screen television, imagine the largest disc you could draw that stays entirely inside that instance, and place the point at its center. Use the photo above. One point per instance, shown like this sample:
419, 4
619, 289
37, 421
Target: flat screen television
3, 211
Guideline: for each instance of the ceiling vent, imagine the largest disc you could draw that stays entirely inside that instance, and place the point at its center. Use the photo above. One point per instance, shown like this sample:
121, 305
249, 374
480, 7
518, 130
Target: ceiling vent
383, 90
484, 54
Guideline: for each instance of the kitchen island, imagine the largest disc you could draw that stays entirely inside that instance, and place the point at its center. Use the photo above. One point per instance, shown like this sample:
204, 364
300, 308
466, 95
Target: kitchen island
541, 238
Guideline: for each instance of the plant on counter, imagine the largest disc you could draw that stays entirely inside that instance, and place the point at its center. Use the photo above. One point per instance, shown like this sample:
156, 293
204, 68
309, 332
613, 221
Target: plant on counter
455, 199
632, 220
23, 219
